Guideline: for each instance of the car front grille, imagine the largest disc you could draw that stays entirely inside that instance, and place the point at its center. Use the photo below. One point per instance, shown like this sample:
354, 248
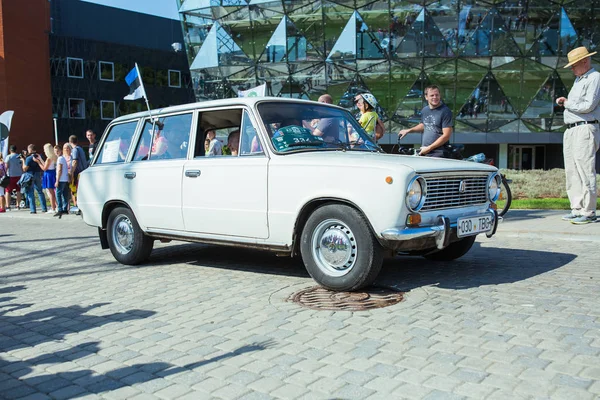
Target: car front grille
451, 191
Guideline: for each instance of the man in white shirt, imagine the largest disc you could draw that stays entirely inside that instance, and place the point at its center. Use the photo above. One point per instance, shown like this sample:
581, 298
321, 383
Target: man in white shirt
582, 138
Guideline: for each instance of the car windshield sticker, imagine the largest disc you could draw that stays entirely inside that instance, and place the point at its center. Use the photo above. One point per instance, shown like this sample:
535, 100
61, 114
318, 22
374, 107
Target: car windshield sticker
293, 136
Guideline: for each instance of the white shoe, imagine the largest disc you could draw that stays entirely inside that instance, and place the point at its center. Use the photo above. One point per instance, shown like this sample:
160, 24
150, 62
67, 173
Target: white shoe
50, 211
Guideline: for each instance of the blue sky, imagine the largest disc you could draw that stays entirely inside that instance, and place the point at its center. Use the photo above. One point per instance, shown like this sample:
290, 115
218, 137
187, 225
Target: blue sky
162, 8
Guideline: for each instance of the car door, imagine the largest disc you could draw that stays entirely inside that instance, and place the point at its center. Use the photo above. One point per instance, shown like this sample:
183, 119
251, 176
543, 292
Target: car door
227, 195
156, 170
106, 180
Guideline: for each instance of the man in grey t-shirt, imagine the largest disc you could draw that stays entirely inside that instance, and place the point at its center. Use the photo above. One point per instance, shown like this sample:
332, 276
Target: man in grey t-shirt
436, 124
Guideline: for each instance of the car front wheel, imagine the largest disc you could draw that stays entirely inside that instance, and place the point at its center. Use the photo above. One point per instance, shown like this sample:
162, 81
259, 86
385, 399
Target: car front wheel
339, 250
128, 243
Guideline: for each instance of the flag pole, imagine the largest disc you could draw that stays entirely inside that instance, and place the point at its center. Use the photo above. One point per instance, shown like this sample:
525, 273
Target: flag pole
144, 89
55, 132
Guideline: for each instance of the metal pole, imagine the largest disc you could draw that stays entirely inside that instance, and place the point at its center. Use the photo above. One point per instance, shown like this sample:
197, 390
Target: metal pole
144, 89
55, 132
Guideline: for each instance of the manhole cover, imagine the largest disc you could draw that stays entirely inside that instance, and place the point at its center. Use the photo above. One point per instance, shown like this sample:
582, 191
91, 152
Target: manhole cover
319, 298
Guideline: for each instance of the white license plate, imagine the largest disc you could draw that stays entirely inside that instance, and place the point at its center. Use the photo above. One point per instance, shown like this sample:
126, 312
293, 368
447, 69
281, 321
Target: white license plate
474, 225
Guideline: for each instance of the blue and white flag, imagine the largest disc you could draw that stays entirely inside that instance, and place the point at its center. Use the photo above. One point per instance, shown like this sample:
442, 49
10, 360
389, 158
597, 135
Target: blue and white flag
136, 86
5, 121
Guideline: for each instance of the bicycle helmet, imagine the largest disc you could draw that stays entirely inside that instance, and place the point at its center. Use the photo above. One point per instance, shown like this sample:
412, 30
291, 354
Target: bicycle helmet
370, 99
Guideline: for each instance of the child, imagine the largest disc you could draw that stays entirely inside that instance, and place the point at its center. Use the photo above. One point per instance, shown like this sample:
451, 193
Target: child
369, 119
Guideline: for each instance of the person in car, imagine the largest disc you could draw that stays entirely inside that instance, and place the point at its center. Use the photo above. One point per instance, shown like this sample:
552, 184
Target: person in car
233, 142
160, 145
327, 128
216, 147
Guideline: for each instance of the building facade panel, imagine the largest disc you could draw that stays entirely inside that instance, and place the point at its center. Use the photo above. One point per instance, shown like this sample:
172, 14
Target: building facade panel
499, 63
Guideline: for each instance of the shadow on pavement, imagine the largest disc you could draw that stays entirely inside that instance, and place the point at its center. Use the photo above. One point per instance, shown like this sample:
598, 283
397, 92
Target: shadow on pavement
11, 289
52, 325
480, 267
235, 259
28, 254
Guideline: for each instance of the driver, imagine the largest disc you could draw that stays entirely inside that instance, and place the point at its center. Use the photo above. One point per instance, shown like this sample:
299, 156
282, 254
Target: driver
327, 128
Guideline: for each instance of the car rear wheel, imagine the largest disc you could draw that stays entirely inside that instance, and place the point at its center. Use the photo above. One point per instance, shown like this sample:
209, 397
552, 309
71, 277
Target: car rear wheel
453, 251
128, 243
339, 250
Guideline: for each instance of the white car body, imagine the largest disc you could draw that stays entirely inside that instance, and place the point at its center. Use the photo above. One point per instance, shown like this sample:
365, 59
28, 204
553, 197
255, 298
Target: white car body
263, 201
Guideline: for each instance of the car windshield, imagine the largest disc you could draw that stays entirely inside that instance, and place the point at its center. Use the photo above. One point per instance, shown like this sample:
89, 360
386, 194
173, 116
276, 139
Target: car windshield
313, 127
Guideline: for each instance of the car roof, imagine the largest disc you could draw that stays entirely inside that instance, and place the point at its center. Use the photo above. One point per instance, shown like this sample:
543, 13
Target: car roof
239, 101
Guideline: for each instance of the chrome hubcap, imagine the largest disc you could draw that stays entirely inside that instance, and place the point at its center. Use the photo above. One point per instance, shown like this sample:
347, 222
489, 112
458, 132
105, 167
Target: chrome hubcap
123, 234
334, 247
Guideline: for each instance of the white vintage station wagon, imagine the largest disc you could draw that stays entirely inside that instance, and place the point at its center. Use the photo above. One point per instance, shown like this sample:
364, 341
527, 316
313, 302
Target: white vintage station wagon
293, 177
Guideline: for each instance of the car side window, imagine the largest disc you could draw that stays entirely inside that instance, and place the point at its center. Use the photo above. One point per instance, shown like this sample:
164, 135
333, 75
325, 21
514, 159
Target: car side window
249, 141
166, 139
117, 142
218, 133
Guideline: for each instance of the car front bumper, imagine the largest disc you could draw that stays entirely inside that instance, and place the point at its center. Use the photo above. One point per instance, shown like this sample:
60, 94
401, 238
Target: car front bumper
441, 231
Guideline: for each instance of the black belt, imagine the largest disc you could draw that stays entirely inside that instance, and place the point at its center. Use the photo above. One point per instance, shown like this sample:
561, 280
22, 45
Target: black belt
582, 123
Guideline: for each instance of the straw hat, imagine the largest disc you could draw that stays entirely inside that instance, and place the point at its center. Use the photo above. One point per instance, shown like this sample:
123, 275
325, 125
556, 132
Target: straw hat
577, 55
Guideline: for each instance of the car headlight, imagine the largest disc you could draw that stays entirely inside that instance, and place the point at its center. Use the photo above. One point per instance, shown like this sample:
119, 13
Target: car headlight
494, 182
415, 193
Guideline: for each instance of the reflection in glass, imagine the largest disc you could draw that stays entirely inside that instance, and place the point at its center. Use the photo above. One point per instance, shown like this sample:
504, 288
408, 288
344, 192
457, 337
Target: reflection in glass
490, 37
478, 51
424, 39
409, 110
288, 44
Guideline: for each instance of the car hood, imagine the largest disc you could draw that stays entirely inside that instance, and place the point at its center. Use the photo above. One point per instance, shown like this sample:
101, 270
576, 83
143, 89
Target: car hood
362, 159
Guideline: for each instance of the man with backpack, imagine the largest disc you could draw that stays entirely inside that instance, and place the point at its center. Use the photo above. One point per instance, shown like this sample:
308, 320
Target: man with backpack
78, 164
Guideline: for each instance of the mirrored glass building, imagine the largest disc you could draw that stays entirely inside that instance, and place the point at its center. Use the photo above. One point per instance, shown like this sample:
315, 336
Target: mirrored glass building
499, 63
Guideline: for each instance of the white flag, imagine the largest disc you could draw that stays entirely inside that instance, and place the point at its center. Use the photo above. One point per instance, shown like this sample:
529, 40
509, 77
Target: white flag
258, 91
5, 121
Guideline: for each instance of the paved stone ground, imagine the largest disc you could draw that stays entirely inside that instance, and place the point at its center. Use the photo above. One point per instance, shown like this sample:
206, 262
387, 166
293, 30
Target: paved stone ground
517, 317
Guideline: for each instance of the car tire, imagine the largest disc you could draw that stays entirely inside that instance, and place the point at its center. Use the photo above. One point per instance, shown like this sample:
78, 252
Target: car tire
453, 251
128, 243
353, 256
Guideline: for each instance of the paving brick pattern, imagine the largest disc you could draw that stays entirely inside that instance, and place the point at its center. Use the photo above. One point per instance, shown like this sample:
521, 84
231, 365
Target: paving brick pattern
515, 318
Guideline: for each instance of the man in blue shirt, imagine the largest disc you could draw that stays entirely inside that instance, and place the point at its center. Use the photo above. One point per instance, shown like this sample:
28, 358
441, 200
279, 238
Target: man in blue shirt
436, 124
32, 165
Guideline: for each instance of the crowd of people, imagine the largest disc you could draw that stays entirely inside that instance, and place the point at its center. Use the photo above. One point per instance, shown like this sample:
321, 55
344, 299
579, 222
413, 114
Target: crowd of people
52, 174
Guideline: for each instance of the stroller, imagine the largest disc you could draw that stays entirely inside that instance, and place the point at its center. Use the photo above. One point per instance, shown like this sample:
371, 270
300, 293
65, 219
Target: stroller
13, 200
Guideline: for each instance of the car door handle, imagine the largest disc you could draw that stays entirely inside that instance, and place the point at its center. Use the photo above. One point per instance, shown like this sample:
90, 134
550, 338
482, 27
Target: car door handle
192, 173
129, 175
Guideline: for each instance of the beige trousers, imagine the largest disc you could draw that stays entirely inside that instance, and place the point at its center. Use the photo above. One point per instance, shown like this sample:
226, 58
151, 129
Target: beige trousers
579, 149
